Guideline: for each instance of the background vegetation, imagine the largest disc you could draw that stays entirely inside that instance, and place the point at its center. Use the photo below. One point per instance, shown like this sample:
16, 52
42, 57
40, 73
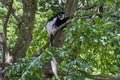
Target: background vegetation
91, 46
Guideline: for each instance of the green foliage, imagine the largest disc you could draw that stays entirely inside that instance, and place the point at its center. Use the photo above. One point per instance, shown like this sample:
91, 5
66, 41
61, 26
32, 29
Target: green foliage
29, 68
95, 45
53, 5
92, 46
2, 14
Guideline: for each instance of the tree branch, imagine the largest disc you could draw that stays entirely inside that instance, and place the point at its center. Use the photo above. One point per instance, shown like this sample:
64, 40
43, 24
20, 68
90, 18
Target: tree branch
96, 77
115, 16
5, 21
87, 7
3, 65
17, 17
25, 29
36, 54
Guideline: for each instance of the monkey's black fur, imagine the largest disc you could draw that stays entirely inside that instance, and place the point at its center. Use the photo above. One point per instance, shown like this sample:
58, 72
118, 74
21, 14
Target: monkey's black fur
54, 22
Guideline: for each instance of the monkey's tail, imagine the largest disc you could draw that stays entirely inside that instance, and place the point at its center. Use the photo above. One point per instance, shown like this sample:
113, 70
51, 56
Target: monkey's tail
53, 61
51, 39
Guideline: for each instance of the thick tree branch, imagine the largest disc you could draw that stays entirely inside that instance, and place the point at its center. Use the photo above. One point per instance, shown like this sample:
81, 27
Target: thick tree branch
64, 26
3, 65
5, 21
25, 29
96, 77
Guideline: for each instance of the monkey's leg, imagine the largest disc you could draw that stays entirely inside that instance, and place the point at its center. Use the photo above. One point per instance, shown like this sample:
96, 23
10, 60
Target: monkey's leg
51, 39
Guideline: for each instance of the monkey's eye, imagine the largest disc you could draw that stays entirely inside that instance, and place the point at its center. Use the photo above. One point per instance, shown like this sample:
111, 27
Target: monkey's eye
60, 15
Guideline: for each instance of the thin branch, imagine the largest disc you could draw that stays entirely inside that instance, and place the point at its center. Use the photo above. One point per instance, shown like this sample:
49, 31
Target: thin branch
1, 39
17, 17
88, 7
71, 44
115, 16
41, 49
50, 72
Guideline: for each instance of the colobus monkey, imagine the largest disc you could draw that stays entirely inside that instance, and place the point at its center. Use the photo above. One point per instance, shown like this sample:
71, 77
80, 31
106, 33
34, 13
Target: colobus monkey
54, 22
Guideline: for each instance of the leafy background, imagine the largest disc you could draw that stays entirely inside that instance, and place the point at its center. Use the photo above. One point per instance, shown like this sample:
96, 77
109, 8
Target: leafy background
89, 48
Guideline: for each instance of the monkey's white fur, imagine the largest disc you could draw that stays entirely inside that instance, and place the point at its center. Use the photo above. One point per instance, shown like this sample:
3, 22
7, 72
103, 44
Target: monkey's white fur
50, 26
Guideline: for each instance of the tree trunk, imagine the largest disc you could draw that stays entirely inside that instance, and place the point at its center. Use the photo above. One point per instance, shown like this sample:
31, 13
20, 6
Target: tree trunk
25, 28
70, 8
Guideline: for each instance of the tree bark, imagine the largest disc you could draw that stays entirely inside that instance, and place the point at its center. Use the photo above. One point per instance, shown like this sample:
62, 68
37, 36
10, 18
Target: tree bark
70, 8
6, 58
25, 28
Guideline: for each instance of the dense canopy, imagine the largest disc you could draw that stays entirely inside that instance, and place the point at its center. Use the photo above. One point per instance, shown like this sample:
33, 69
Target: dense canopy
88, 48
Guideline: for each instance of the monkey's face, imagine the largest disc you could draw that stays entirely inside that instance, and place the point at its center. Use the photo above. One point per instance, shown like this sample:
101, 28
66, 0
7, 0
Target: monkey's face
61, 16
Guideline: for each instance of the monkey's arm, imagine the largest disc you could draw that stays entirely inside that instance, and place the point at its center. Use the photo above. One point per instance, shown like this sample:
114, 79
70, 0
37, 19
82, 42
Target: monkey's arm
66, 19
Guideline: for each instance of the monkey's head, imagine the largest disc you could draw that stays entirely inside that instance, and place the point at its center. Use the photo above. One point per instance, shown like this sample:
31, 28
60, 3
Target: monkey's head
61, 15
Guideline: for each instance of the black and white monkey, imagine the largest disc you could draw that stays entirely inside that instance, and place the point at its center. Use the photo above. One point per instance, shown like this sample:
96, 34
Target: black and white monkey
54, 22
52, 25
